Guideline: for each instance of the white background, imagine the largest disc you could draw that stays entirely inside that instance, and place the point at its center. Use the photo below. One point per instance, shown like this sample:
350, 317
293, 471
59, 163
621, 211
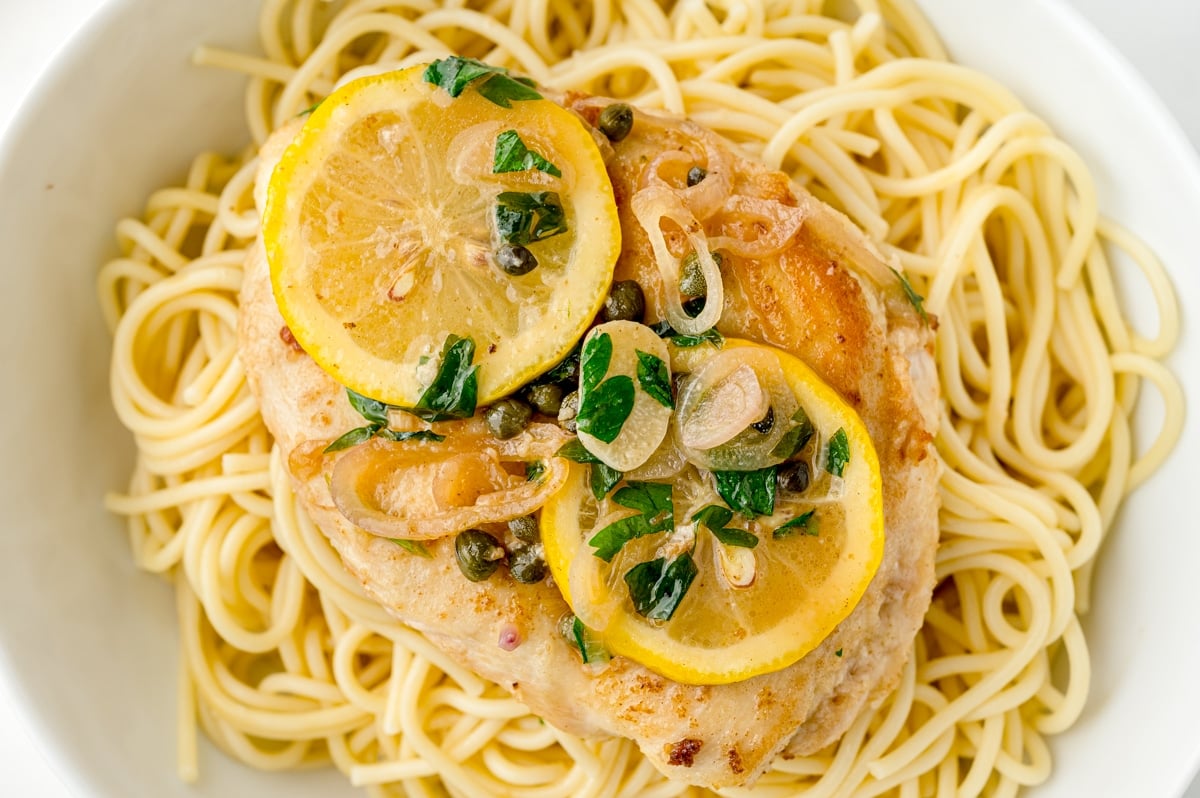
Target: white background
1159, 37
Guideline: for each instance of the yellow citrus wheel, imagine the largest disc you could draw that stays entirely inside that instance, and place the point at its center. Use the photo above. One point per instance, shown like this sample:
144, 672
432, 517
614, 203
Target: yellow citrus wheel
747, 611
385, 218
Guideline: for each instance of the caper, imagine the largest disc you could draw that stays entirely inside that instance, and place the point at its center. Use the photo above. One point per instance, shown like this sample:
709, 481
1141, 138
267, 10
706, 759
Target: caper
625, 302
525, 529
691, 276
546, 398
616, 121
695, 306
793, 477
765, 424
515, 259
478, 554
527, 565
507, 418
568, 411
695, 175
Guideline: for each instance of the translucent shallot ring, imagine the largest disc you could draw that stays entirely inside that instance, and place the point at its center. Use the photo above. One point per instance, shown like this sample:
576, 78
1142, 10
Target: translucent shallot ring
653, 204
774, 224
359, 479
706, 197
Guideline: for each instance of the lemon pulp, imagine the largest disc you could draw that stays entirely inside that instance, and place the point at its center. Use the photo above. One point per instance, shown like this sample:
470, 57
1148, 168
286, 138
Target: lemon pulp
380, 231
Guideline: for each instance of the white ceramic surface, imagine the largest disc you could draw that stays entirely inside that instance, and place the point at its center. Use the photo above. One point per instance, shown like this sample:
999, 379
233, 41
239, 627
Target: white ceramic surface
86, 644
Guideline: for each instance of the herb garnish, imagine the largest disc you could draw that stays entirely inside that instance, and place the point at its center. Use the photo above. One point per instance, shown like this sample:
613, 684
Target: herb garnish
452, 393
375, 412
525, 217
534, 471
710, 336
798, 524
454, 73
795, 438
916, 299
654, 378
412, 547
658, 586
587, 642
656, 513
603, 477
716, 518
513, 156
604, 406
838, 453
749, 492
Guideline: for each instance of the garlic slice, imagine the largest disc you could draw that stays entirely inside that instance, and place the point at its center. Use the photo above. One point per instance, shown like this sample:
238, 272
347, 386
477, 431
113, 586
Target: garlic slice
738, 565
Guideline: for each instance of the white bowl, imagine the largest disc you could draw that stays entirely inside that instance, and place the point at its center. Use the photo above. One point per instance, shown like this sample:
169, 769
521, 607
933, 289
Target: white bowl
88, 643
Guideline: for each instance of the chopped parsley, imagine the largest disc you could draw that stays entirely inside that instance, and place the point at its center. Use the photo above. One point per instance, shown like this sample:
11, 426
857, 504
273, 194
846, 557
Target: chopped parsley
512, 155
801, 523
525, 217
594, 361
750, 493
534, 471
658, 586
455, 73
716, 519
796, 438
916, 299
375, 412
654, 378
838, 453
452, 394
710, 336
412, 547
604, 404
603, 477
587, 642
655, 513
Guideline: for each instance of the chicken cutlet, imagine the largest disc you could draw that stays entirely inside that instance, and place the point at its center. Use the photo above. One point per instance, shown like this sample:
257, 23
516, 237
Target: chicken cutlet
798, 275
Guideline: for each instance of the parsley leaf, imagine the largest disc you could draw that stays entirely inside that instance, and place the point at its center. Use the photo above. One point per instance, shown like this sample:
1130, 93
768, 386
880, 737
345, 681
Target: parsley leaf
795, 438
574, 450
513, 156
534, 471
656, 513
524, 217
590, 647
654, 378
838, 453
412, 547
353, 438
603, 479
604, 409
452, 394
749, 492
372, 410
717, 519
800, 523
567, 369
916, 299
453, 74
710, 336
657, 587
594, 361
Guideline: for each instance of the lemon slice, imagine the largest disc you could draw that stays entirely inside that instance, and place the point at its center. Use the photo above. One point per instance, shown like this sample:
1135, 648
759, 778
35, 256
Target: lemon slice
385, 217
747, 610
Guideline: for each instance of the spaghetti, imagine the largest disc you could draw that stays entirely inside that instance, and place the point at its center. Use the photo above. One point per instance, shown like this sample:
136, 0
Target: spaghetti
286, 663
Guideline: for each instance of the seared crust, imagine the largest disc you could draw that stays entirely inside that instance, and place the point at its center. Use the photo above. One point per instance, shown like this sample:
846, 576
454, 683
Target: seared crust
821, 298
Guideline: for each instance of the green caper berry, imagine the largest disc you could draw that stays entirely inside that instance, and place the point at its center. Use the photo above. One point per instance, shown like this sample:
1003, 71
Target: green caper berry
568, 411
625, 302
527, 565
691, 276
515, 260
508, 418
695, 175
793, 477
765, 424
525, 529
546, 398
478, 554
616, 121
